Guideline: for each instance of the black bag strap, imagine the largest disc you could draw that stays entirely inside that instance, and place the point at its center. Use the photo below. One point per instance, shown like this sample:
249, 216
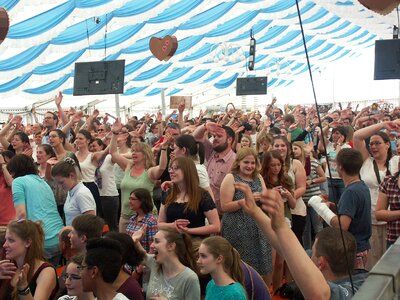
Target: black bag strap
376, 170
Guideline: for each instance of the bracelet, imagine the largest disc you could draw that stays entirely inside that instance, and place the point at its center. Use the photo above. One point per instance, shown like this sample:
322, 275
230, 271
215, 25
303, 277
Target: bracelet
163, 149
116, 133
24, 292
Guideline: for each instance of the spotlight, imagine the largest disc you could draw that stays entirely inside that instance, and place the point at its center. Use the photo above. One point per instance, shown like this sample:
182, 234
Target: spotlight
252, 52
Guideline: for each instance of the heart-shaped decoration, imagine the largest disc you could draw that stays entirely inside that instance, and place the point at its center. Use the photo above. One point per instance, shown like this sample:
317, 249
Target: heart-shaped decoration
4, 24
163, 48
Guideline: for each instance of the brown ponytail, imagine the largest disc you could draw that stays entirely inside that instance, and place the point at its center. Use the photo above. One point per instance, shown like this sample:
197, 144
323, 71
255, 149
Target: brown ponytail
232, 263
184, 248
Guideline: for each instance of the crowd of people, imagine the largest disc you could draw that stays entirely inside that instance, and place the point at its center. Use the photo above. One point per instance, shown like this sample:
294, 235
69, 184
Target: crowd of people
218, 206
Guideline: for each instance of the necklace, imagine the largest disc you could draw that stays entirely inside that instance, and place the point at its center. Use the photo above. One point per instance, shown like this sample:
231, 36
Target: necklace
181, 199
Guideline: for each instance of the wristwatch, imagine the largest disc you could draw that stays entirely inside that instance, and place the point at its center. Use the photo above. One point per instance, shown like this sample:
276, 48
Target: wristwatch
24, 292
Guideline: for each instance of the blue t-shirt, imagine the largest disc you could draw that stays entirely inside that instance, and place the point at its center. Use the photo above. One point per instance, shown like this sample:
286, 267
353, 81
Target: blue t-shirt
33, 192
355, 202
232, 291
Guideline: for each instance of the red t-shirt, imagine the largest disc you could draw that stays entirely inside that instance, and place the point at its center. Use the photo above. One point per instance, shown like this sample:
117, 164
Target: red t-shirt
7, 209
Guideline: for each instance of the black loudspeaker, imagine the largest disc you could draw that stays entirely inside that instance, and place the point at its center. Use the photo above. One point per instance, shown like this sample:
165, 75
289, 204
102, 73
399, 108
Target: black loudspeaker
387, 59
99, 77
251, 86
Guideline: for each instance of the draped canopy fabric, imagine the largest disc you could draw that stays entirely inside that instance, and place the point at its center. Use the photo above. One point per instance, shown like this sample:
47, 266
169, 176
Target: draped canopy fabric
46, 39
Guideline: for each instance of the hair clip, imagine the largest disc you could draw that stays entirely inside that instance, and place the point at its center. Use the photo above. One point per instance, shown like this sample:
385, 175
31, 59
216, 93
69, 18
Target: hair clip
69, 160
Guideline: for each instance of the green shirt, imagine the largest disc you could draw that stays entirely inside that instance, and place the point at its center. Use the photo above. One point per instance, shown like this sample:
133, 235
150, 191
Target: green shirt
233, 291
128, 184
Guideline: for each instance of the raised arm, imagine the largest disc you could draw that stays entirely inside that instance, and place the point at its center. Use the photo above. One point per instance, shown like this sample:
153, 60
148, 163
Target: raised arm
116, 157
199, 133
308, 277
73, 120
58, 100
181, 109
362, 134
4, 132
156, 172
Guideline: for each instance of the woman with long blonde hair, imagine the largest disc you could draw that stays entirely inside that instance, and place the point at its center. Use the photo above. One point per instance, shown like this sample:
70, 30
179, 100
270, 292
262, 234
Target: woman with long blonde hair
140, 171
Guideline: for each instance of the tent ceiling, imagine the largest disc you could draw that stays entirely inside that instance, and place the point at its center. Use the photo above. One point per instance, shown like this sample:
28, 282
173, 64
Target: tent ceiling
46, 38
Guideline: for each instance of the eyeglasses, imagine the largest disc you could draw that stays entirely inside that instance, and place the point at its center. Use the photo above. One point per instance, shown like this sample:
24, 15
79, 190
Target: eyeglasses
83, 267
100, 129
70, 277
173, 169
375, 143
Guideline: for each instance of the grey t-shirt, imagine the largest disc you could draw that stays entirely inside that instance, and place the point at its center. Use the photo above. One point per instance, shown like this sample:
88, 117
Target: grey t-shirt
183, 286
341, 289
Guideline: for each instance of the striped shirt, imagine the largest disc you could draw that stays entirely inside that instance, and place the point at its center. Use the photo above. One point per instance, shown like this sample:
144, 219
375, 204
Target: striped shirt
313, 189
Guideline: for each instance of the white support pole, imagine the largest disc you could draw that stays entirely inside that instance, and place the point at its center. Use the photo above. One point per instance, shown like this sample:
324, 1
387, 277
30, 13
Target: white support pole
163, 107
117, 109
244, 103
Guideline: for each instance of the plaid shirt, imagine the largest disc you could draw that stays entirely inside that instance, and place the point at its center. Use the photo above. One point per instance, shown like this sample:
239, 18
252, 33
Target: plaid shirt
134, 225
389, 186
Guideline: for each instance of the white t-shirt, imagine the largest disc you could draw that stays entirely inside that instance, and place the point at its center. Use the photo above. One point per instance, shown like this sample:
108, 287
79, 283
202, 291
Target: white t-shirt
79, 200
394, 165
87, 169
204, 181
120, 296
368, 175
108, 186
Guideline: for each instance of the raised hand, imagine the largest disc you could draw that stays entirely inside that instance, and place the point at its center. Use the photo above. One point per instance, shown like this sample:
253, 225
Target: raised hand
214, 128
159, 117
308, 148
95, 113
58, 98
16, 120
76, 117
273, 204
138, 235
181, 107
117, 126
